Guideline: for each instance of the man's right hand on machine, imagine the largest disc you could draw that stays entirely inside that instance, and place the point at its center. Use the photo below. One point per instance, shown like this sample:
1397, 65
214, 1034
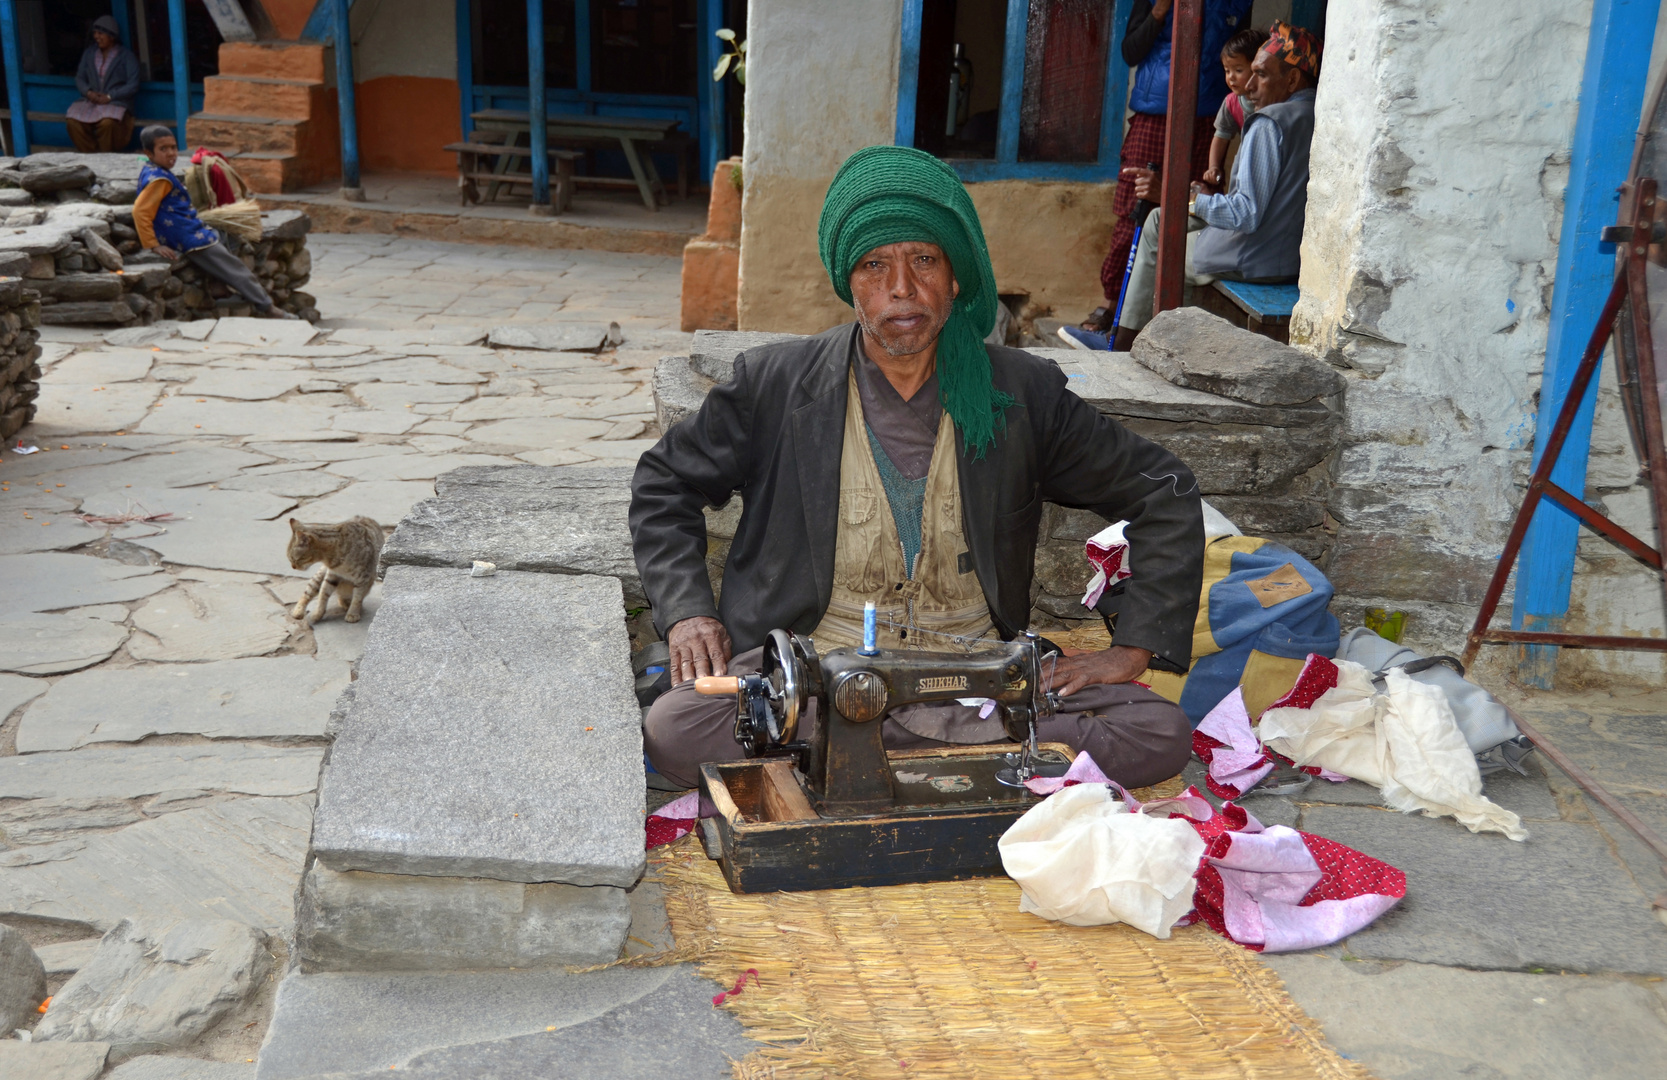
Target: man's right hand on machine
699, 646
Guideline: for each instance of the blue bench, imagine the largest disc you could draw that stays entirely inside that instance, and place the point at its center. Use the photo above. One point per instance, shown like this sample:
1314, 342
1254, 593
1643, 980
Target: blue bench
1266, 308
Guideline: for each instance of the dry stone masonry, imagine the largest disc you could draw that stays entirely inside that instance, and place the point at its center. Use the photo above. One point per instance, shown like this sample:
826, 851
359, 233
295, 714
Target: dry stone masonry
20, 372
66, 228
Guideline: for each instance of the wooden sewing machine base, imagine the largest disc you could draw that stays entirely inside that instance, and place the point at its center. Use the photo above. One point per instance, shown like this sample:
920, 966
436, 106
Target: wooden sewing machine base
949, 814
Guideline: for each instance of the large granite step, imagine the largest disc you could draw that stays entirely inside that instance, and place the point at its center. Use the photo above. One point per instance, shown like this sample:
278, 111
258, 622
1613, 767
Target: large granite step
567, 520
493, 733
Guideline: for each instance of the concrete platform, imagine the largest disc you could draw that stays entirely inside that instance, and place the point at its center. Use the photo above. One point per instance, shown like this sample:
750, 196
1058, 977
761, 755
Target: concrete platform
494, 733
560, 520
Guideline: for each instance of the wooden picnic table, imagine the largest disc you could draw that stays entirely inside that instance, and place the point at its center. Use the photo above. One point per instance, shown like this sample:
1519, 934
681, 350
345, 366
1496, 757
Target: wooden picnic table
631, 132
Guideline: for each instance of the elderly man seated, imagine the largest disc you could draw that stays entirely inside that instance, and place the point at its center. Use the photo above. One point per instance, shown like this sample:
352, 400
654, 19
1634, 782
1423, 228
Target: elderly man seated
1252, 232
900, 460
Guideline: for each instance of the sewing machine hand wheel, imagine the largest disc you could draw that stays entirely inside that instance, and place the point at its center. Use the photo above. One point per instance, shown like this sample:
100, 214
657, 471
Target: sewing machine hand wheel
778, 698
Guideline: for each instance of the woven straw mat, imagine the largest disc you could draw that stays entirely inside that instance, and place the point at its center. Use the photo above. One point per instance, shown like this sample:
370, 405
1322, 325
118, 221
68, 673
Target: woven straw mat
950, 979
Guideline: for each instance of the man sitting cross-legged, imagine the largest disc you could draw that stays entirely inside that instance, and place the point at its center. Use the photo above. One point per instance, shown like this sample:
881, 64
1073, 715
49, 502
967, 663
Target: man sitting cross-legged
167, 224
902, 461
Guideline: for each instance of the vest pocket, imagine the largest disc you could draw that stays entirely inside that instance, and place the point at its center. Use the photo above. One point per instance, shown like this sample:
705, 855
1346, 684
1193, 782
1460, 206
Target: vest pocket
856, 506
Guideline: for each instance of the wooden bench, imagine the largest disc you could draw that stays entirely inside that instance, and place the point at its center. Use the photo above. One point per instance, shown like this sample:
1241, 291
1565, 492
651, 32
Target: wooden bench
55, 118
500, 171
1260, 308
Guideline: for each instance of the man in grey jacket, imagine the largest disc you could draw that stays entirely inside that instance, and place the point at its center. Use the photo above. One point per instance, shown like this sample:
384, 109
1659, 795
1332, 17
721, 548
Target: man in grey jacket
108, 79
1252, 232
901, 461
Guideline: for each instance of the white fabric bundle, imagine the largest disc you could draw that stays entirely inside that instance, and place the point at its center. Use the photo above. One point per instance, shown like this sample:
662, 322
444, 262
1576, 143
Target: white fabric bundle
1082, 858
1405, 741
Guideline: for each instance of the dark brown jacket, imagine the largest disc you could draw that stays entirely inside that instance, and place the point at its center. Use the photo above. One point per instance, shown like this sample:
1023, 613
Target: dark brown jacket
774, 434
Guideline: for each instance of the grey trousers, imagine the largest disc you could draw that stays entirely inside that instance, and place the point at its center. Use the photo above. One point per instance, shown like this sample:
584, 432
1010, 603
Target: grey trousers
1135, 736
217, 259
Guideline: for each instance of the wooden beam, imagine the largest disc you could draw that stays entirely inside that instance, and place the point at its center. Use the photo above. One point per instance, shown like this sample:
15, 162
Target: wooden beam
1177, 151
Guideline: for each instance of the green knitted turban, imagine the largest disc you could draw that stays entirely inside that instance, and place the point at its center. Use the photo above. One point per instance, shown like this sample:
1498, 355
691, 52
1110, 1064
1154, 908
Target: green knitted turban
894, 194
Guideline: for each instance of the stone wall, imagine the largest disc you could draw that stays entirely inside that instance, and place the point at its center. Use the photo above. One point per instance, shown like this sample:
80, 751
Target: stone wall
20, 370
66, 228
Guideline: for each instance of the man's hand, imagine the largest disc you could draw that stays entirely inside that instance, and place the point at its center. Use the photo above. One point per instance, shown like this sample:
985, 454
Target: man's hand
1118, 664
1205, 186
166, 252
699, 646
1212, 179
1145, 183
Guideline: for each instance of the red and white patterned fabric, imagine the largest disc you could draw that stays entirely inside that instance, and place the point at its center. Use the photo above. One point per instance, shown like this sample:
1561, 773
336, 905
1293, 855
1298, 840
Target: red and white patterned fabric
1108, 553
1233, 756
1277, 889
1272, 889
1317, 676
672, 821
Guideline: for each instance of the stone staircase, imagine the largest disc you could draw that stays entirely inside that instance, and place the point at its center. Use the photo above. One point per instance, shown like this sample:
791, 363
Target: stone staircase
271, 112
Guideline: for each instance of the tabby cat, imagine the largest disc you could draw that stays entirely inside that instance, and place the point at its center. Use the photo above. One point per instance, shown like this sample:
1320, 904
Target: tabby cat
348, 550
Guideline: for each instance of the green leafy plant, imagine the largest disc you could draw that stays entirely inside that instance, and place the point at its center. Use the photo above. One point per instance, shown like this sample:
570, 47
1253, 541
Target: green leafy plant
736, 57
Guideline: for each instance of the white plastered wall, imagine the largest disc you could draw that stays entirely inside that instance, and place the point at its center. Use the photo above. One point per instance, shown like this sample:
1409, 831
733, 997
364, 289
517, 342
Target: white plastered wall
1441, 154
404, 37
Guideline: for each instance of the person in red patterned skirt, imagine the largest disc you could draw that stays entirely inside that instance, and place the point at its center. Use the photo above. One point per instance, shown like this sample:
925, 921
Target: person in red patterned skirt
1146, 47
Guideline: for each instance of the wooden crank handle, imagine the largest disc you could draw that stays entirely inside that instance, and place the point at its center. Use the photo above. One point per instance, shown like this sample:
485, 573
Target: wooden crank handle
715, 685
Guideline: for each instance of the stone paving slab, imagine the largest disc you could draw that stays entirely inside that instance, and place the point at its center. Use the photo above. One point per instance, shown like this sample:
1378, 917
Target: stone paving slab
131, 772
1559, 901
236, 860
383, 501
68, 957
188, 466
54, 581
621, 1023
100, 366
245, 385
33, 644
1423, 1022
209, 621
224, 699
566, 520
221, 530
180, 415
70, 409
276, 334
17, 690
357, 921
521, 684
158, 1067
47, 821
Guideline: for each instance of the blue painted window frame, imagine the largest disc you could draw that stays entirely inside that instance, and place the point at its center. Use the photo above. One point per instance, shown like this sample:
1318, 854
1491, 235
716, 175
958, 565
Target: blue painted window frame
1006, 164
701, 114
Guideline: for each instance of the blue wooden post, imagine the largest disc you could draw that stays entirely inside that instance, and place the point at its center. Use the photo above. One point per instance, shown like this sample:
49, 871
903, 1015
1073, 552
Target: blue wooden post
182, 68
15, 93
465, 67
1013, 80
537, 107
1611, 98
351, 189
908, 73
118, 11
708, 21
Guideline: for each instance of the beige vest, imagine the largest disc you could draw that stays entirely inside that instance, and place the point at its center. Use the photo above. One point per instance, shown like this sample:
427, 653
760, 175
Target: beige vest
943, 596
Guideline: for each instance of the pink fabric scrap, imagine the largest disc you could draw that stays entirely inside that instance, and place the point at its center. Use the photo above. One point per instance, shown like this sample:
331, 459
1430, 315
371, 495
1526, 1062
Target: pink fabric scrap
1234, 755
672, 821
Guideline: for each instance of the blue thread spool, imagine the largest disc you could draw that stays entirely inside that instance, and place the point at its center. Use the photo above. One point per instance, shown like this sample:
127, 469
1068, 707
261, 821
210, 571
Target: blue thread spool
870, 634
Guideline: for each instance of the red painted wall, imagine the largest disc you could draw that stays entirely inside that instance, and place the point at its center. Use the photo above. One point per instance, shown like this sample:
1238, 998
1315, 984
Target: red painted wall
404, 120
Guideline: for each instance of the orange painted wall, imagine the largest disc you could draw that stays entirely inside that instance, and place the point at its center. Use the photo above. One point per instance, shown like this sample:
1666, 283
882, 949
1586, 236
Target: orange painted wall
404, 120
289, 17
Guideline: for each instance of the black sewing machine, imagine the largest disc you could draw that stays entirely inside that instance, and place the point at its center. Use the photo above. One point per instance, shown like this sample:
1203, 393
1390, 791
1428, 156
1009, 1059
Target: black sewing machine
820, 803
